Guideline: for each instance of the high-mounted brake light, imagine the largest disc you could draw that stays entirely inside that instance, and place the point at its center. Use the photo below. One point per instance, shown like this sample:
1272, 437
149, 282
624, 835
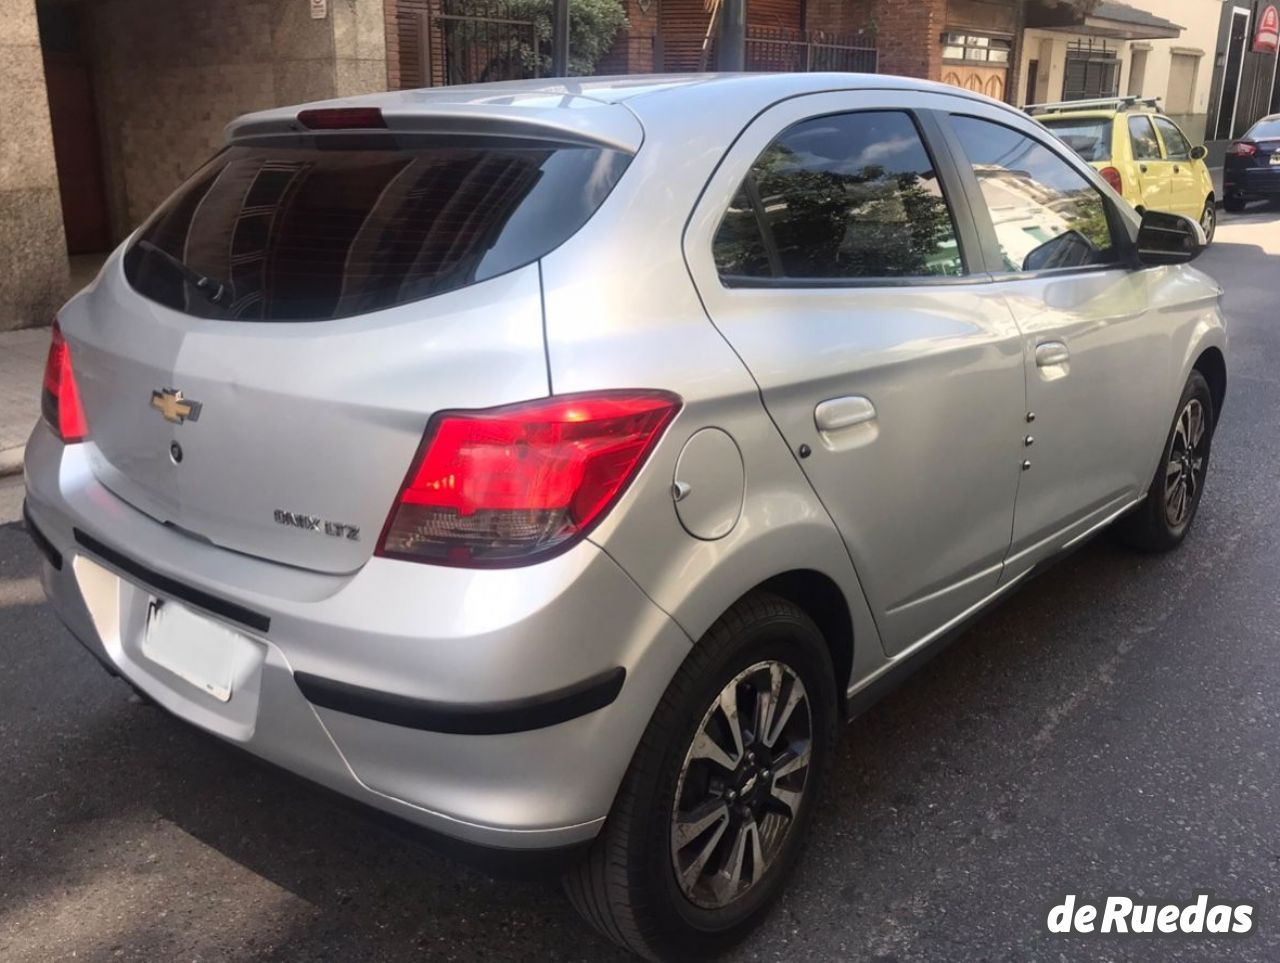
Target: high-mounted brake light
60, 400
1242, 149
1112, 177
342, 118
507, 486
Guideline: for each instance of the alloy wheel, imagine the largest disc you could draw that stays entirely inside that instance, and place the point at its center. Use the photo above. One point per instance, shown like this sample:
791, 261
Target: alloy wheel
1185, 469
740, 788
1209, 220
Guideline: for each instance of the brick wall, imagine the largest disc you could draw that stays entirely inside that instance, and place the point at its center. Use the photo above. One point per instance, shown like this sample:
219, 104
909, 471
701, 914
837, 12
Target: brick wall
634, 51
843, 17
909, 37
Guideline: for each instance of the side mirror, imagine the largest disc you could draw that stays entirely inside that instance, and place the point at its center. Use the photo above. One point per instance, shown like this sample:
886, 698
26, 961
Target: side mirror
1169, 239
1199, 152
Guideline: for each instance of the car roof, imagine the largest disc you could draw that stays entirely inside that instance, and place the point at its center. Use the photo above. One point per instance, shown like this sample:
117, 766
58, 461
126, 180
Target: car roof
1078, 115
1096, 114
604, 110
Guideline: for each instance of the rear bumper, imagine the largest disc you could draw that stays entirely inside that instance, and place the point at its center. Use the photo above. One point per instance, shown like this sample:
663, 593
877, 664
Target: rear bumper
1252, 181
500, 708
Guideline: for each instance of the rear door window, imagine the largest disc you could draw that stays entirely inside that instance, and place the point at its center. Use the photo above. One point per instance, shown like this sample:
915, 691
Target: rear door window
852, 196
311, 233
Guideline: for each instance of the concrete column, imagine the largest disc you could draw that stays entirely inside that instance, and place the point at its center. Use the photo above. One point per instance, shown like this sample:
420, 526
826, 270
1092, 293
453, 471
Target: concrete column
359, 46
33, 279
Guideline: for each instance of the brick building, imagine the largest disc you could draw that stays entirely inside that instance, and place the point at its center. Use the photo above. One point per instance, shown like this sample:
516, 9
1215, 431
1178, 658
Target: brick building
107, 104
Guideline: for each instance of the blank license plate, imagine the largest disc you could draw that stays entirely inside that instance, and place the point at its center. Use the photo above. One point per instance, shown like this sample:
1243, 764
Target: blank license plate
197, 649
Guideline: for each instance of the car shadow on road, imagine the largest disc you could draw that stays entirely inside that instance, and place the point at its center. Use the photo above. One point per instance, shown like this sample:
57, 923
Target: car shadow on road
356, 888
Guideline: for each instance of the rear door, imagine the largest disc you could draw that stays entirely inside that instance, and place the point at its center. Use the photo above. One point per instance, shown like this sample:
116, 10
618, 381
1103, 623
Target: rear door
1155, 173
368, 282
833, 252
1095, 342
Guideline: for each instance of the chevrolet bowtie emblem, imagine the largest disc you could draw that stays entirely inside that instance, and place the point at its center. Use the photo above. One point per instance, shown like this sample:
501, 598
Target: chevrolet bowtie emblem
174, 407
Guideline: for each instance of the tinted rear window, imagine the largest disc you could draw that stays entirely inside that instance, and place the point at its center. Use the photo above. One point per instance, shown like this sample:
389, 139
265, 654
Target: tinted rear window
1091, 139
302, 233
1264, 130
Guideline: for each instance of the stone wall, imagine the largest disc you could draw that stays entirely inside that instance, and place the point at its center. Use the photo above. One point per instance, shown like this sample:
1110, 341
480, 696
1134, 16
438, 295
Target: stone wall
34, 279
170, 74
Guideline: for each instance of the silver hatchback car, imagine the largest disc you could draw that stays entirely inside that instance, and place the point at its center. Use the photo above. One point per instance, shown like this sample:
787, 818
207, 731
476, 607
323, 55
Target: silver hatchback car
555, 464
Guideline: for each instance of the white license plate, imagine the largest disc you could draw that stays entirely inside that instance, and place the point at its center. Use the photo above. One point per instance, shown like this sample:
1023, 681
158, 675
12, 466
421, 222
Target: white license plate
199, 650
1275, 159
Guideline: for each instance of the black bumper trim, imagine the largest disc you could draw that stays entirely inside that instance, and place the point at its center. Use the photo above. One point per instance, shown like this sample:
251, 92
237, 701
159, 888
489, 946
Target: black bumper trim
165, 585
479, 719
42, 542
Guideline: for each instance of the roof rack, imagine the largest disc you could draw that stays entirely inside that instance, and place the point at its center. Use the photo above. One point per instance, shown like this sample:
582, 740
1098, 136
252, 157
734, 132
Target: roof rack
1103, 103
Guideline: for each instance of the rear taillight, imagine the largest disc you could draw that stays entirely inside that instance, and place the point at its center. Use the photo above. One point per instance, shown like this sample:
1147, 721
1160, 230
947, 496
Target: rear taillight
508, 486
1241, 149
60, 400
1112, 177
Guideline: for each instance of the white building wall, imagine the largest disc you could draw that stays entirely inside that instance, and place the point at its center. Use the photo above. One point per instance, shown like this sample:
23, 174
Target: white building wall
1199, 20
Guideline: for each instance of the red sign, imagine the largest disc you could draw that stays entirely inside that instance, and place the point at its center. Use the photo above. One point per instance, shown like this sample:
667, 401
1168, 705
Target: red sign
1268, 36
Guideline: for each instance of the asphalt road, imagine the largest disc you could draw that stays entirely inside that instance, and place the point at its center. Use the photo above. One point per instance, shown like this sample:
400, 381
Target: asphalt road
1113, 728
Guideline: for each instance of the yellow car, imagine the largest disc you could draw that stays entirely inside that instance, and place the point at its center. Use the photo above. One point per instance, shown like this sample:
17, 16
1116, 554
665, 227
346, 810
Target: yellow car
1139, 151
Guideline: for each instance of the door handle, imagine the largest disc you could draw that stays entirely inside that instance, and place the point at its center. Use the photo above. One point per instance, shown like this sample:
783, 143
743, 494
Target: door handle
1143, 168
1050, 353
1177, 169
837, 413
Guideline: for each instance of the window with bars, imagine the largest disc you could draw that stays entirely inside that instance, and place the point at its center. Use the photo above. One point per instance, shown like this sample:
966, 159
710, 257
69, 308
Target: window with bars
976, 48
1091, 71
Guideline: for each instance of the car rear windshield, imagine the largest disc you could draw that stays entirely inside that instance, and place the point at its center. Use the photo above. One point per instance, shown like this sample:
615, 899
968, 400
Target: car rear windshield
308, 233
1091, 139
1264, 130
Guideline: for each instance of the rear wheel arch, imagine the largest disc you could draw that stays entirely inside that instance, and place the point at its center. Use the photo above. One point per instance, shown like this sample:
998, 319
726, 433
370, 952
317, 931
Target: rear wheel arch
1213, 366
823, 601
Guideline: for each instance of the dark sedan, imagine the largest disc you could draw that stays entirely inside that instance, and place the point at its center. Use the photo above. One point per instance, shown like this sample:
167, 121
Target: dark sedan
1252, 165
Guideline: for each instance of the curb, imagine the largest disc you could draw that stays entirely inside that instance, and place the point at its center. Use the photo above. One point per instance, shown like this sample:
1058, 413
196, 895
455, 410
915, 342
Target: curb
11, 461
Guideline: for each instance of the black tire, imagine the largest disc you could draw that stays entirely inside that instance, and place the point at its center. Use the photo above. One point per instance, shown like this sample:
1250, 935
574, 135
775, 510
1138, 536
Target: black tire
1233, 203
627, 886
1150, 527
1209, 219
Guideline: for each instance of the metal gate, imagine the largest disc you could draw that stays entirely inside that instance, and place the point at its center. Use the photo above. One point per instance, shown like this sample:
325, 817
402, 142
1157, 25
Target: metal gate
466, 42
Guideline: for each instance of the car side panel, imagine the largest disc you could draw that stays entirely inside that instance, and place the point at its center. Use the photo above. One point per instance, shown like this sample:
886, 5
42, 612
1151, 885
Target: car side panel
621, 310
923, 493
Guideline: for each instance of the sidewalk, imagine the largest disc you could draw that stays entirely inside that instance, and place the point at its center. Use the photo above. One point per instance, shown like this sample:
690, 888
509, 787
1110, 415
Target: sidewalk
22, 355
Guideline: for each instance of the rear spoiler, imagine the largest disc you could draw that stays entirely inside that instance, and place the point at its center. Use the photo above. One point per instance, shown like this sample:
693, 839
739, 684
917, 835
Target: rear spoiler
566, 119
